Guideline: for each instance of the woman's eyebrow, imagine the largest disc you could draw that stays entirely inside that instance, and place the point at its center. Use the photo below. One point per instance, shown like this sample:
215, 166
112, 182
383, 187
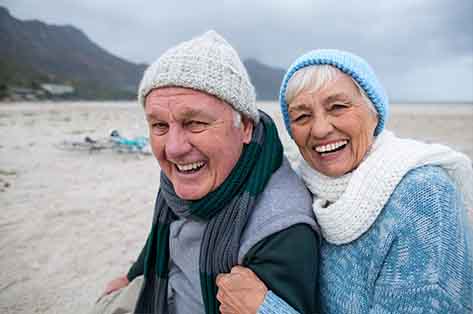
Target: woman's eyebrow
297, 107
336, 97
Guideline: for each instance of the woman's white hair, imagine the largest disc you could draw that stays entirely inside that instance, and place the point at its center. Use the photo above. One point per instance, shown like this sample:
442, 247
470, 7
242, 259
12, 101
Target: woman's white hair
311, 78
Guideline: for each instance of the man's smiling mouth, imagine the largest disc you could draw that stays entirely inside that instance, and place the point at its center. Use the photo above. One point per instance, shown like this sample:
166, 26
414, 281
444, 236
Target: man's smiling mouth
190, 167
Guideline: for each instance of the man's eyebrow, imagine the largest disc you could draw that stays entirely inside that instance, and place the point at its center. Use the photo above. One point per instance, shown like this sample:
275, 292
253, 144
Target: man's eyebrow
186, 114
150, 115
190, 113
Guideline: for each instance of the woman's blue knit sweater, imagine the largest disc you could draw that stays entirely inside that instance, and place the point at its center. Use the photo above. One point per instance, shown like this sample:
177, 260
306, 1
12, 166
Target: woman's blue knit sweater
416, 258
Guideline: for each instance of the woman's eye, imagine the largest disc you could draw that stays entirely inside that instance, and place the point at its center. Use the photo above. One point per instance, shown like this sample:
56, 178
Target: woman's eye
337, 106
301, 117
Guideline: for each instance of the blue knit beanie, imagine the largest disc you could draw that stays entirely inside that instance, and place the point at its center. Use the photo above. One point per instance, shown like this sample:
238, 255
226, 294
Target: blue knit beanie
348, 63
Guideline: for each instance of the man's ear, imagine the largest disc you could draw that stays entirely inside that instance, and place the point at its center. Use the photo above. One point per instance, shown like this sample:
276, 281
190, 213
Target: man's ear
247, 127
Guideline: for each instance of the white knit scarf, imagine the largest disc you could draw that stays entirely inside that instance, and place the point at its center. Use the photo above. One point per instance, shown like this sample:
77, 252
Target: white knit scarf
347, 206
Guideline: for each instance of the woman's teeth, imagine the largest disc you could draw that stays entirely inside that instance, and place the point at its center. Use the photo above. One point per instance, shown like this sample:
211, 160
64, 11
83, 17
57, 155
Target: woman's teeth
330, 147
191, 166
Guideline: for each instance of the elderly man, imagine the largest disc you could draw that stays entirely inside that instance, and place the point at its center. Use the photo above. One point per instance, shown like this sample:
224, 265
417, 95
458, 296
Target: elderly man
227, 195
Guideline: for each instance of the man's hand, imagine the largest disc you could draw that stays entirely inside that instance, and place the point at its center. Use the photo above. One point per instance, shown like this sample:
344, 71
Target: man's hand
240, 291
116, 284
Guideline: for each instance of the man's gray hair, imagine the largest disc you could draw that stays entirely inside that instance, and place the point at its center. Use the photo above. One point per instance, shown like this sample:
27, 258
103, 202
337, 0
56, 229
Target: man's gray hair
236, 119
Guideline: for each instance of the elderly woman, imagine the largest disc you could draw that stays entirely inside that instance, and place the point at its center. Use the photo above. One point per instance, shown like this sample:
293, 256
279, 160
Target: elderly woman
393, 212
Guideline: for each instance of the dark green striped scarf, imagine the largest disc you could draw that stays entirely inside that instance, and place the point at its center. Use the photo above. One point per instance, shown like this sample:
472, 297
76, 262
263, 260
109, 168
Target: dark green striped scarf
226, 211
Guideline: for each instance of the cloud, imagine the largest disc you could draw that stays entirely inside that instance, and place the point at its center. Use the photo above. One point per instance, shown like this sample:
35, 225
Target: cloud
411, 41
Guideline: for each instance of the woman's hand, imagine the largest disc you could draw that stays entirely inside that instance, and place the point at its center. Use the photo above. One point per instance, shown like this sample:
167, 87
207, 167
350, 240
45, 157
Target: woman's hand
240, 291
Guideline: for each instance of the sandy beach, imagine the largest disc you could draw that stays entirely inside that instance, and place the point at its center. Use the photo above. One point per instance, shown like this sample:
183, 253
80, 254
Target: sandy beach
72, 220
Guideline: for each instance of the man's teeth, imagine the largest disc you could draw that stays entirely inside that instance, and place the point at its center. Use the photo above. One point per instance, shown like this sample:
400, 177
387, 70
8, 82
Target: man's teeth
330, 147
192, 166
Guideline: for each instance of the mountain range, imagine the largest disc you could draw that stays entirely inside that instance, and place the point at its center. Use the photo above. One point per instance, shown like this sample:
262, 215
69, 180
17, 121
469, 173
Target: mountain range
34, 52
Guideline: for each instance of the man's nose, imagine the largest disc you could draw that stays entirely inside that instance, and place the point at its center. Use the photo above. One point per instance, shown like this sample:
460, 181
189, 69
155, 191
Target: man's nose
177, 143
321, 126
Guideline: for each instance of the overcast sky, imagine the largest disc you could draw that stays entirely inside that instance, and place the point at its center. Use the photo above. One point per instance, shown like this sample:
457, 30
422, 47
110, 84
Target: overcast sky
421, 49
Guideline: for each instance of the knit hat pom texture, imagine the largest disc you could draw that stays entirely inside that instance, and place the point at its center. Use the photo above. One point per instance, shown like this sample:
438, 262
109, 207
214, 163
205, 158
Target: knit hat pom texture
205, 63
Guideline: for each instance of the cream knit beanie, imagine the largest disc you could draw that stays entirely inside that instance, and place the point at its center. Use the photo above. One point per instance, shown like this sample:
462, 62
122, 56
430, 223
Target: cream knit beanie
206, 63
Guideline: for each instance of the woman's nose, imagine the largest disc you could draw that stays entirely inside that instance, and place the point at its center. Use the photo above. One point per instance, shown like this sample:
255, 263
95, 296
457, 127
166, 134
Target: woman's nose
321, 126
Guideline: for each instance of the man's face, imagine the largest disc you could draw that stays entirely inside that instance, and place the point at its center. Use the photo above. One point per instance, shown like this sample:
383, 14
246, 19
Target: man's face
194, 138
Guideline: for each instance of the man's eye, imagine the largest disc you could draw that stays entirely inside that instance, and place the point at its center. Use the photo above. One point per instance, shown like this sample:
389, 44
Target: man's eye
196, 126
159, 127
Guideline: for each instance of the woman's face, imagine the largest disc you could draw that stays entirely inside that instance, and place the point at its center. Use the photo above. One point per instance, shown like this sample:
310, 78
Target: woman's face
333, 126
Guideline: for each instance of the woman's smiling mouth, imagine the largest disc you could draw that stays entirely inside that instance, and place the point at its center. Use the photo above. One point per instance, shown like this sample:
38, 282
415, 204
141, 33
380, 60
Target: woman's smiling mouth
330, 148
